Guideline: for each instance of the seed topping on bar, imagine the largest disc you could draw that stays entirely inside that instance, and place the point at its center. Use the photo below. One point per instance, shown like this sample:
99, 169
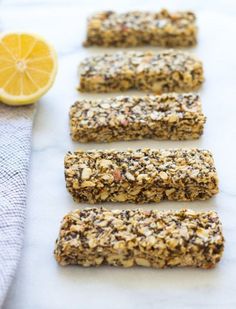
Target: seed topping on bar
169, 116
150, 238
142, 28
140, 176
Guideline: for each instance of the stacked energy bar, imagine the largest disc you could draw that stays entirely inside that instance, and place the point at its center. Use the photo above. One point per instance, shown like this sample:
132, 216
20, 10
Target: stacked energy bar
140, 176
142, 28
96, 236
166, 71
167, 117
150, 238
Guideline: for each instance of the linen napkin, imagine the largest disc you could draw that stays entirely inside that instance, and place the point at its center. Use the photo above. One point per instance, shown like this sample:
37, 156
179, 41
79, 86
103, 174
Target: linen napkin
15, 148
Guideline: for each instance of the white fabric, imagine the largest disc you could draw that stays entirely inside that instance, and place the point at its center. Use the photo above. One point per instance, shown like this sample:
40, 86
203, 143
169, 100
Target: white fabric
15, 147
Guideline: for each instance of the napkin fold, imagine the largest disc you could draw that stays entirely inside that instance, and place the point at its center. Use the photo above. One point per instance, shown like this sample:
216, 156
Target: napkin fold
15, 148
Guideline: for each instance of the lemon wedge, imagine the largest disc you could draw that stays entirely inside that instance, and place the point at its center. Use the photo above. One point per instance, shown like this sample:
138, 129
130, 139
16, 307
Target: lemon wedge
28, 67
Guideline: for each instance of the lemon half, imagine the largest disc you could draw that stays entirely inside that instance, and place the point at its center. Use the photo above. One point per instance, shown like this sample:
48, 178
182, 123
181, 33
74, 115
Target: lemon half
28, 67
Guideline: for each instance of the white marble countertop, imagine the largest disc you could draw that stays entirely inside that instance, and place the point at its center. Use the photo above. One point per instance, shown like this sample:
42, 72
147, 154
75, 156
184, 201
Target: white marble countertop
40, 283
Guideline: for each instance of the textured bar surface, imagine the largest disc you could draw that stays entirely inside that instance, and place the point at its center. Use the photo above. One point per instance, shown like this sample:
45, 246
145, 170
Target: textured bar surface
142, 28
140, 176
166, 71
150, 238
169, 116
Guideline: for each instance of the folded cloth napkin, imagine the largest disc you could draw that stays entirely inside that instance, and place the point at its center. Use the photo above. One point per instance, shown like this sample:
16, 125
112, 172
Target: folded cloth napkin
15, 147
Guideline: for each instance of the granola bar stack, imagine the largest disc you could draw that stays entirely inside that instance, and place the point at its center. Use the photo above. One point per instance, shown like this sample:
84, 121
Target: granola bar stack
96, 236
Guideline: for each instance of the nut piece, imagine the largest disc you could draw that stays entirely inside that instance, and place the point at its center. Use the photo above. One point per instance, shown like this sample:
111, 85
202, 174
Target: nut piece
117, 175
105, 163
163, 175
86, 184
129, 176
86, 173
96, 236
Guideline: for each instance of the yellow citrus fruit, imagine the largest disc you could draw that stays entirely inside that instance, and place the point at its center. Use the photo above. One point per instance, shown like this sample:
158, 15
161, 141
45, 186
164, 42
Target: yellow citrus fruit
28, 66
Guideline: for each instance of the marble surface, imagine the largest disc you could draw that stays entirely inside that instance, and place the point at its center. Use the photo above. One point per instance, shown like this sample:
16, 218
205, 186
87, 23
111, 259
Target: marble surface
40, 283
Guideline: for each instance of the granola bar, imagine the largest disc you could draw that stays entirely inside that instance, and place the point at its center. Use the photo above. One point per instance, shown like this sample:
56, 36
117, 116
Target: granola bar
150, 238
142, 28
166, 71
140, 176
169, 116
